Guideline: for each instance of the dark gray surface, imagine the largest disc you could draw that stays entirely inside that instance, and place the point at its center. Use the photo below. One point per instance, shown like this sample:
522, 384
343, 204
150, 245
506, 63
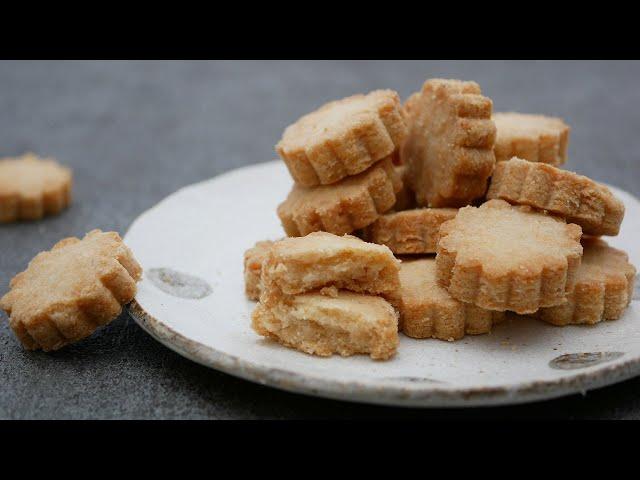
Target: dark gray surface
136, 131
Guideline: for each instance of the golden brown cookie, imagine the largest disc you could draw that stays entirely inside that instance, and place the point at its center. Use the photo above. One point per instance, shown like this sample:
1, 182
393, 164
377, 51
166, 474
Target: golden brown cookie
343, 138
603, 289
576, 198
501, 257
68, 292
449, 149
32, 187
347, 323
342, 207
253, 260
428, 311
302, 264
536, 138
409, 231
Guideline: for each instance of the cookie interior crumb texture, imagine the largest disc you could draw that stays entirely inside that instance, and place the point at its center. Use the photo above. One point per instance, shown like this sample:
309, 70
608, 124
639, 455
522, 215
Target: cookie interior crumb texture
346, 323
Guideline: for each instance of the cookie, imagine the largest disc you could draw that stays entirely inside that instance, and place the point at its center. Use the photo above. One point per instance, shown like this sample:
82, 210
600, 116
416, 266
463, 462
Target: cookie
449, 149
501, 257
343, 207
428, 311
405, 198
603, 289
536, 138
409, 231
576, 198
347, 323
32, 187
301, 264
66, 293
253, 260
343, 138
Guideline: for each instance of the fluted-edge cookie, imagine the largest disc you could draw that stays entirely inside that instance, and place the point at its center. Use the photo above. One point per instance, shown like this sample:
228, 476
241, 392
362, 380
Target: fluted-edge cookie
343, 138
409, 231
536, 138
577, 198
449, 148
342, 207
347, 323
253, 260
429, 311
603, 289
501, 257
66, 293
32, 187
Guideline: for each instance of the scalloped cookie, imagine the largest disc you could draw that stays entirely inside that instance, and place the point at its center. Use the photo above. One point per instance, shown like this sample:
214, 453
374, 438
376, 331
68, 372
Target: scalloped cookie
66, 293
32, 187
603, 289
342, 207
409, 231
449, 148
536, 138
346, 323
343, 137
429, 311
501, 257
577, 198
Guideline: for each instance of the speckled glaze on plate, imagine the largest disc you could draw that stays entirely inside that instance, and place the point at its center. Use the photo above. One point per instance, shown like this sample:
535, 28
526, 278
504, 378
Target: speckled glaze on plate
191, 299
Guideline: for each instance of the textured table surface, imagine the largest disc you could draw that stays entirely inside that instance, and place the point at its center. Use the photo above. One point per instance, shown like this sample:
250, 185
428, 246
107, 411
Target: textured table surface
134, 132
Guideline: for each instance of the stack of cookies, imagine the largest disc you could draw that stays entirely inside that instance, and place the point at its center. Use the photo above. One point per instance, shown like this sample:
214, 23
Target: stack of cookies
381, 187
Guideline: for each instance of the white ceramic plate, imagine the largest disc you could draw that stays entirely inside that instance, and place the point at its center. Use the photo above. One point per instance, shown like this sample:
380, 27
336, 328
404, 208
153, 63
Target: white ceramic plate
192, 300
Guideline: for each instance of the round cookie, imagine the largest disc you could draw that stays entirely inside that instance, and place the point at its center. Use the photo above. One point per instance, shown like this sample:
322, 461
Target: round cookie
409, 231
577, 198
501, 257
429, 311
343, 207
449, 148
65, 294
32, 187
603, 289
536, 138
343, 138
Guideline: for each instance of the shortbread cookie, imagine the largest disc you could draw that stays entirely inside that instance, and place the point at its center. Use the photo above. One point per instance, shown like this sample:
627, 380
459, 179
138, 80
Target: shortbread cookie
347, 324
501, 257
409, 231
428, 311
253, 260
68, 292
533, 137
578, 199
301, 264
343, 207
32, 187
405, 198
343, 138
603, 289
449, 149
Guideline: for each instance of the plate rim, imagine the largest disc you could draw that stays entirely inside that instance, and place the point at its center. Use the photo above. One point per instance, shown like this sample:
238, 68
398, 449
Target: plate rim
395, 393
423, 396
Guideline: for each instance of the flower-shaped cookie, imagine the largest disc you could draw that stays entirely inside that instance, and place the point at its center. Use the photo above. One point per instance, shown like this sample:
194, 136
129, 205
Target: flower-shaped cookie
31, 187
68, 292
501, 257
343, 138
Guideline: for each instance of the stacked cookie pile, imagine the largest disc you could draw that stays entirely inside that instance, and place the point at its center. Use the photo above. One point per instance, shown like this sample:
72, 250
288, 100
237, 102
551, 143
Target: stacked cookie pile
443, 175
